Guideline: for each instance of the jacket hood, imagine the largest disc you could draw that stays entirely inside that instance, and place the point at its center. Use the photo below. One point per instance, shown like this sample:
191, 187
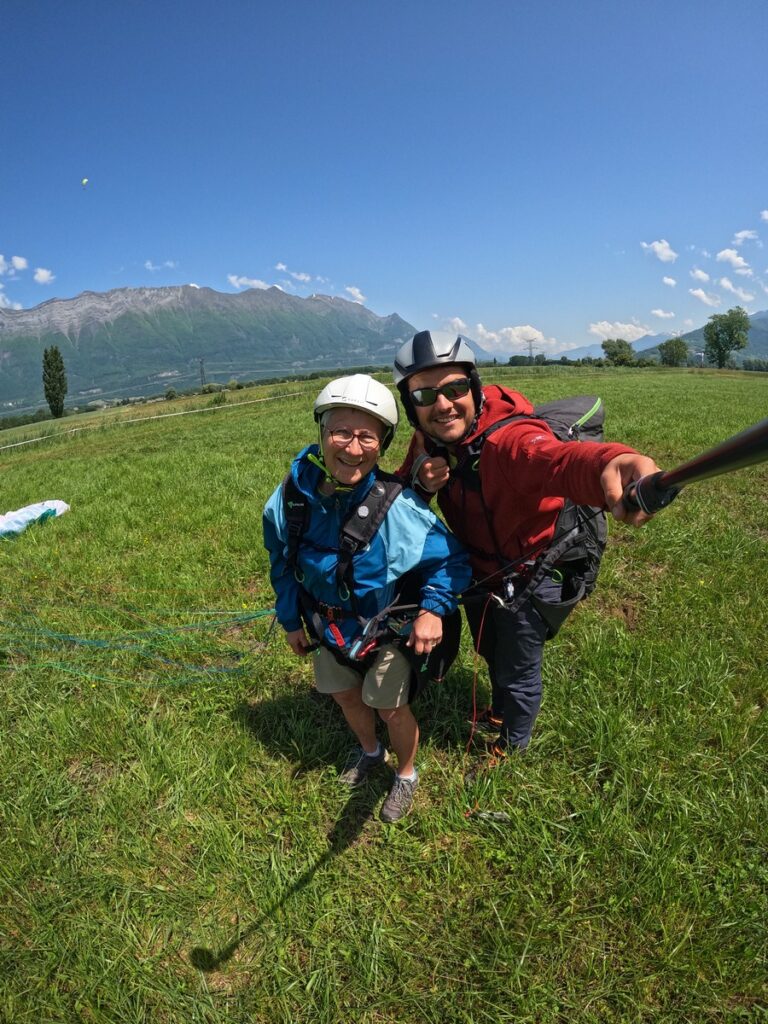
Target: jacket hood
499, 403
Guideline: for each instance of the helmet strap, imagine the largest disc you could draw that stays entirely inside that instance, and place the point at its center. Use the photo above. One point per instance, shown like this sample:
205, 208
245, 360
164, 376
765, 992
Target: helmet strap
317, 460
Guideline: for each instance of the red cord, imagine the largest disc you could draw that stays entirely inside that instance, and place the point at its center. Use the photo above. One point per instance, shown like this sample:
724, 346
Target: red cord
474, 676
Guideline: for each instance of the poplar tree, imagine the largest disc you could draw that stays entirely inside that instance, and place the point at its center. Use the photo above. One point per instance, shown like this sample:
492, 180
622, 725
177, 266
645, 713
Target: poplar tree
54, 380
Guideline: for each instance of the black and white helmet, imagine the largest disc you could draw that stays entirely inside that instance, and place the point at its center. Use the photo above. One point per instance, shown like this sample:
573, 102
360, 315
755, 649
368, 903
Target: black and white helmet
359, 391
423, 353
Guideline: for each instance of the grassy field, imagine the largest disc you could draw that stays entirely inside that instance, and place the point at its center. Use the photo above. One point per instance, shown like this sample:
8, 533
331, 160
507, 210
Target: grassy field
174, 846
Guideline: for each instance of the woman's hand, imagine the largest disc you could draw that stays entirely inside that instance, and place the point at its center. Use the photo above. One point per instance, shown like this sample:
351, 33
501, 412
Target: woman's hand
298, 642
427, 632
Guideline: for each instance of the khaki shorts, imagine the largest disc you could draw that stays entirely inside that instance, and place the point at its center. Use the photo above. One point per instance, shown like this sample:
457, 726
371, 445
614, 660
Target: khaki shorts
386, 684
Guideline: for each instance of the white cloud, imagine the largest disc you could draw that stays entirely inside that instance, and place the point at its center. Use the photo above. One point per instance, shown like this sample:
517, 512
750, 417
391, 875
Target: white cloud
355, 292
662, 314
629, 332
661, 249
10, 267
745, 271
169, 264
297, 275
43, 276
246, 282
705, 297
738, 292
669, 281
510, 340
743, 236
507, 341
732, 257
5, 302
764, 215
688, 323
699, 275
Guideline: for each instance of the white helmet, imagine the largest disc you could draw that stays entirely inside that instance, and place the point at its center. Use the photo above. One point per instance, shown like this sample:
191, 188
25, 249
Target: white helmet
359, 391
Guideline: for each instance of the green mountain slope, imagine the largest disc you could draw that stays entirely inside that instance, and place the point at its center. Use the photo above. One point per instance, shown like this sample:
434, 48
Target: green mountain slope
136, 341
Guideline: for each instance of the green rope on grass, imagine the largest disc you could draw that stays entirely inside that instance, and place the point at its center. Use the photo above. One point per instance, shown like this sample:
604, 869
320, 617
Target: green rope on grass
16, 632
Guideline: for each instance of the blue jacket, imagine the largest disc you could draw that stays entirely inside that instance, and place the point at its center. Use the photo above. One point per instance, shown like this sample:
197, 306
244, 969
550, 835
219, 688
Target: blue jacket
410, 538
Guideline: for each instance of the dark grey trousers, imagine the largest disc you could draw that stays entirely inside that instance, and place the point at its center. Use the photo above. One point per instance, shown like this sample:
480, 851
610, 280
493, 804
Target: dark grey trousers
513, 645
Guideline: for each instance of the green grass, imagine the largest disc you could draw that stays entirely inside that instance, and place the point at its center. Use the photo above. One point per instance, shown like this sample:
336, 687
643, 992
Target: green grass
174, 846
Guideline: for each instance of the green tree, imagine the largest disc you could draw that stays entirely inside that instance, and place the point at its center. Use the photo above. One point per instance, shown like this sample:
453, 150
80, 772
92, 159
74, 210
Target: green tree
618, 352
54, 380
673, 352
726, 333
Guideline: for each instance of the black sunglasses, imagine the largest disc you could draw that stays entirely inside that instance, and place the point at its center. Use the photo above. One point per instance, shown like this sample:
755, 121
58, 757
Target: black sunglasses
422, 397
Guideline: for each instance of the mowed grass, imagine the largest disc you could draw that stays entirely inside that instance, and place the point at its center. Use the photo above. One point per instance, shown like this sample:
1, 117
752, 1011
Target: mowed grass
174, 844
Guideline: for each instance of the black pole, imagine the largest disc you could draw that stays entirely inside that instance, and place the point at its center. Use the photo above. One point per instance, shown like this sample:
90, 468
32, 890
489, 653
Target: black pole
656, 491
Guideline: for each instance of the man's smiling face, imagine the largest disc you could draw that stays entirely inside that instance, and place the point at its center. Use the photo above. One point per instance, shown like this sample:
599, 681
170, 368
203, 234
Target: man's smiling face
449, 419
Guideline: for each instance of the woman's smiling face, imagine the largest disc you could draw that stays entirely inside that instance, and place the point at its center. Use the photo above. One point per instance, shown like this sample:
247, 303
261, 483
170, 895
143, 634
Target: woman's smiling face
351, 463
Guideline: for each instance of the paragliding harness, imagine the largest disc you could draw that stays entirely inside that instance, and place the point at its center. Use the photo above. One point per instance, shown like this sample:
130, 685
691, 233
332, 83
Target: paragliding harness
391, 624
574, 553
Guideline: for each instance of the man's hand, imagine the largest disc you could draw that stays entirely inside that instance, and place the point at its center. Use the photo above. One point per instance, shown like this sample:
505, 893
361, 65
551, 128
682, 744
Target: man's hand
298, 642
617, 475
432, 470
427, 632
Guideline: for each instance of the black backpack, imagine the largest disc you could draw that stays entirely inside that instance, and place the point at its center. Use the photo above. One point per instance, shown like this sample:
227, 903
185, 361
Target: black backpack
582, 530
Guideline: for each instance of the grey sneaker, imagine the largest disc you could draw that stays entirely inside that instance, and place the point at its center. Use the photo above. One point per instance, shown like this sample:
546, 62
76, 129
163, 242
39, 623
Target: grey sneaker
400, 799
359, 765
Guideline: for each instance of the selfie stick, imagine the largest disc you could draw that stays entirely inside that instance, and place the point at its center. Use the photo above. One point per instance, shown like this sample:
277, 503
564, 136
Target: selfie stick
654, 492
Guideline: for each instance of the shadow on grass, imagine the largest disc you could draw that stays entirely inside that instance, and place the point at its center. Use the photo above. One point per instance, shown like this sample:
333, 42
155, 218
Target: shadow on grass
308, 727
358, 810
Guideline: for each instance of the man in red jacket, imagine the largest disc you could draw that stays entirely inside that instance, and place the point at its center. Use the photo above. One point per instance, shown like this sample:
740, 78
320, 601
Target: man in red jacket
509, 516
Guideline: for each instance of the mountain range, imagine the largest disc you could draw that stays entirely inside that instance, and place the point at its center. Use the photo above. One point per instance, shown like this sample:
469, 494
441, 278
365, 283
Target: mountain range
137, 341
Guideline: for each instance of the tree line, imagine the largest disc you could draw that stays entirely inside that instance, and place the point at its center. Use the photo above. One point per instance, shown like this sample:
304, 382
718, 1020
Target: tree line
724, 333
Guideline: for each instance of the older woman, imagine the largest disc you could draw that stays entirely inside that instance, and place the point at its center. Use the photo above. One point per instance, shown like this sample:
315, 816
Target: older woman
346, 545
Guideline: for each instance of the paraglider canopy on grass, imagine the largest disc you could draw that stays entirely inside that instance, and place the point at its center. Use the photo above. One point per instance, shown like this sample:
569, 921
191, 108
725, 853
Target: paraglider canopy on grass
16, 522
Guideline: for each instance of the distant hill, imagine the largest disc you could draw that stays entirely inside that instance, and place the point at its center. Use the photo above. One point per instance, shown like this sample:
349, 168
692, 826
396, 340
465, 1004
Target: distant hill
649, 344
137, 341
596, 351
757, 347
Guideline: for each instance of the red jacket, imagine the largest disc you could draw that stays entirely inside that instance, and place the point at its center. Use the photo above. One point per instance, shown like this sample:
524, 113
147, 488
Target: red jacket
525, 474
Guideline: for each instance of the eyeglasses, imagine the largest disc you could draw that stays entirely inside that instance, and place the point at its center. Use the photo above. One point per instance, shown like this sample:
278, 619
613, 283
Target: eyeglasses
454, 389
343, 439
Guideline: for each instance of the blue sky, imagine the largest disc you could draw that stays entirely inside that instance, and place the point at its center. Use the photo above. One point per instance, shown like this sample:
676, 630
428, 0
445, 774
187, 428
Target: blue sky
554, 172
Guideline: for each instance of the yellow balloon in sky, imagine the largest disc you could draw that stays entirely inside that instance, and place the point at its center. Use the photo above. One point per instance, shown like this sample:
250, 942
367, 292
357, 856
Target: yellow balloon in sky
84, 182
